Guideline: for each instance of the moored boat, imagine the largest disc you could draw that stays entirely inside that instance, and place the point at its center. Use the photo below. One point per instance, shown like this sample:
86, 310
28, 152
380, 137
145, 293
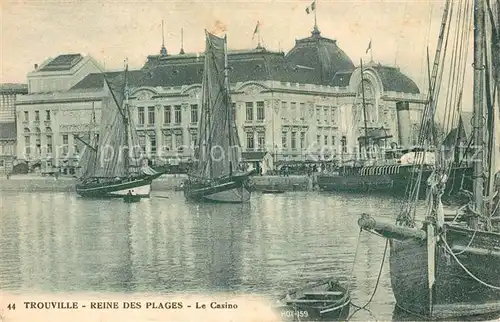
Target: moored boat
215, 175
450, 268
390, 179
110, 168
273, 191
325, 300
131, 197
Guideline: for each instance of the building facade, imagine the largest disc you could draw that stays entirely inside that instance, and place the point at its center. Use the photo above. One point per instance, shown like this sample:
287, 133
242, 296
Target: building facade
306, 104
8, 135
50, 116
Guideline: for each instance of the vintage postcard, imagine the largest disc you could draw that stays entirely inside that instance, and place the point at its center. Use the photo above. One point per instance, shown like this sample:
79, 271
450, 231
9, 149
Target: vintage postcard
299, 160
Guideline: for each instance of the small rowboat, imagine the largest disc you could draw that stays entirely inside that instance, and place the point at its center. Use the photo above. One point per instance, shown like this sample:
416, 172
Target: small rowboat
273, 191
131, 198
325, 300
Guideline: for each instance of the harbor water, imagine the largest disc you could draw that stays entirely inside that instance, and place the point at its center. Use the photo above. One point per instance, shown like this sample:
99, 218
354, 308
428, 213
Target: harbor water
60, 243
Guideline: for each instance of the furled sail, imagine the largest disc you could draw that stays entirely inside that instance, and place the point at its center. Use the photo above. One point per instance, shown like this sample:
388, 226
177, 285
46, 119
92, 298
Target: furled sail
110, 161
218, 149
89, 156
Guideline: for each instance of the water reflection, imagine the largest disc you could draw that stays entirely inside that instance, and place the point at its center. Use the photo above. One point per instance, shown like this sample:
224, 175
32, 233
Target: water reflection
61, 243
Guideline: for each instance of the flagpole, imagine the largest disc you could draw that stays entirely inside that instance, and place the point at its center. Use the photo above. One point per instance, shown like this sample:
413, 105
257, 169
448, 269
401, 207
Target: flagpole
315, 9
258, 37
371, 51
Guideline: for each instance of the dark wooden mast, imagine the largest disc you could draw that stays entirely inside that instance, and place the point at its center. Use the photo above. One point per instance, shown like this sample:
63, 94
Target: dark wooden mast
228, 107
478, 108
125, 116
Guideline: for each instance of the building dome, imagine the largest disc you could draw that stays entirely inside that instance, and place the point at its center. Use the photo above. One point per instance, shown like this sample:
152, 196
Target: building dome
319, 54
390, 78
394, 80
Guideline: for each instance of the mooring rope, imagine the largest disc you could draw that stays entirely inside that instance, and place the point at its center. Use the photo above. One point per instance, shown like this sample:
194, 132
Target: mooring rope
448, 249
359, 308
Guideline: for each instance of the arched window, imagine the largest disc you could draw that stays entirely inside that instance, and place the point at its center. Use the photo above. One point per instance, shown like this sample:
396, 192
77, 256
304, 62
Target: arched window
370, 101
343, 142
26, 130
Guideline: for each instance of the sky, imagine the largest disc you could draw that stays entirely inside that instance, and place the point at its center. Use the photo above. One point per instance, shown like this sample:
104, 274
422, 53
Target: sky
110, 31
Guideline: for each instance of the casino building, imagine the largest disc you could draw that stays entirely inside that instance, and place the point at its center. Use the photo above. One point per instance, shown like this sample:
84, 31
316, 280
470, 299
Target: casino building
299, 105
8, 136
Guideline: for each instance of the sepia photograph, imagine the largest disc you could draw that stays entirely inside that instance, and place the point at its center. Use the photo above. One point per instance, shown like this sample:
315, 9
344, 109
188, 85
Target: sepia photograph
264, 161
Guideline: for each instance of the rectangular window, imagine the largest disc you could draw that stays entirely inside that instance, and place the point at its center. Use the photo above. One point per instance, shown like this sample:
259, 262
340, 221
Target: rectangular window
318, 116
65, 143
140, 115
344, 144
27, 144
303, 111
151, 115
260, 111
26, 116
333, 140
168, 142
334, 115
167, 114
293, 111
294, 143
194, 140
326, 116
179, 142
302, 140
75, 145
250, 145
261, 141
47, 115
2, 163
318, 139
194, 113
249, 111
178, 115
326, 140
37, 116
284, 106
153, 145
284, 140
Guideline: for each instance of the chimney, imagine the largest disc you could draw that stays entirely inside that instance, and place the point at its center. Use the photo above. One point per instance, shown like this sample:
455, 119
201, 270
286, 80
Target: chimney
403, 112
36, 66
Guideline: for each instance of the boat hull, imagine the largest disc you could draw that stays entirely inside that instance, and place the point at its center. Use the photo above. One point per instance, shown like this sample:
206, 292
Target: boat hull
455, 293
131, 198
140, 186
315, 302
391, 180
229, 190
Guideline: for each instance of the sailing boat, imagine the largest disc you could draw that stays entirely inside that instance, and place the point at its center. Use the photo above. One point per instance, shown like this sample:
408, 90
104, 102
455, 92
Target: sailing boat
215, 175
450, 269
109, 167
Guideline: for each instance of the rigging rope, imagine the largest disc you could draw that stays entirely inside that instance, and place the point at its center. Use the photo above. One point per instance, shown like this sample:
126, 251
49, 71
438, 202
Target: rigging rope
448, 249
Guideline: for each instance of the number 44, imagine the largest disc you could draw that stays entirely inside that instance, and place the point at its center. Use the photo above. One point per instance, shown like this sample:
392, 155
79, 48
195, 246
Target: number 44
11, 306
